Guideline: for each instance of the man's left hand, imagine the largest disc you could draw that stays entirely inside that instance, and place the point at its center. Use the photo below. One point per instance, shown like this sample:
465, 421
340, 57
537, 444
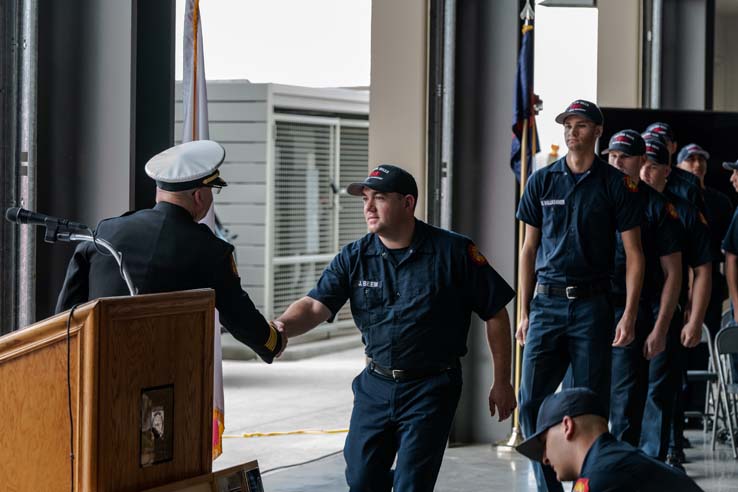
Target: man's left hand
502, 396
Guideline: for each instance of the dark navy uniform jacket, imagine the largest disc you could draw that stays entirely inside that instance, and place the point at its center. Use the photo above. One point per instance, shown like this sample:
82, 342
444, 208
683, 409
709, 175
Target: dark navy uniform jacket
165, 250
696, 250
577, 218
615, 466
662, 234
730, 242
413, 312
718, 212
687, 186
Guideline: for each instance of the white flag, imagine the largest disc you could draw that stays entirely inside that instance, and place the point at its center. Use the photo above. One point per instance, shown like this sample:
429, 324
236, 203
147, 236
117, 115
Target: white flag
195, 104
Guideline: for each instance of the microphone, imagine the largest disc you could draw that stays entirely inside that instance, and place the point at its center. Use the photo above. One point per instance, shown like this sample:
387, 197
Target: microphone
23, 216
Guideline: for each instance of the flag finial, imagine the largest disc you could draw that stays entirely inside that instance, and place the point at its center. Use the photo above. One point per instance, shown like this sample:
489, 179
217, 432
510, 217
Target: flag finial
527, 14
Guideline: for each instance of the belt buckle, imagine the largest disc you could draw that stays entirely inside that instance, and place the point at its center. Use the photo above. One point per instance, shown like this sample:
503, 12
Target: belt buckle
571, 292
396, 374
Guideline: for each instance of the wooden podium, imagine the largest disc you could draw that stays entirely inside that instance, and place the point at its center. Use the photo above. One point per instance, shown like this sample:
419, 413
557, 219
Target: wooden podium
141, 378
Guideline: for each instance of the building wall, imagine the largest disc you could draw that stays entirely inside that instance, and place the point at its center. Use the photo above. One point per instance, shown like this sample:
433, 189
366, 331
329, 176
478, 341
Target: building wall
726, 60
619, 59
397, 132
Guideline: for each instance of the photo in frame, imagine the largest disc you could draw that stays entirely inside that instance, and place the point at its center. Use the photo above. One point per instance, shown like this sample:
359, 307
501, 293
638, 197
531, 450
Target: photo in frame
157, 425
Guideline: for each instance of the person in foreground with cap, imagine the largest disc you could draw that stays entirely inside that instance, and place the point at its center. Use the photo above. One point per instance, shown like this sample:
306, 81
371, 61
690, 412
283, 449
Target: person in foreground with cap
572, 210
412, 289
166, 250
662, 235
686, 330
718, 211
573, 439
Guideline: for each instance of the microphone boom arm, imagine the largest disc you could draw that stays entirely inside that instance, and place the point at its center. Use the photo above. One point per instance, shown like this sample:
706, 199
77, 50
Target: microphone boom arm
118, 257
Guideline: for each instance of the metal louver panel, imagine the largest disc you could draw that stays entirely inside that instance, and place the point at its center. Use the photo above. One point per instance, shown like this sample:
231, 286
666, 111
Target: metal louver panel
303, 211
354, 158
312, 219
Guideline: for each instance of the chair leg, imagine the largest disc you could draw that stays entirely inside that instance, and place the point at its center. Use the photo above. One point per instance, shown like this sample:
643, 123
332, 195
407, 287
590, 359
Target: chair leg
715, 419
728, 404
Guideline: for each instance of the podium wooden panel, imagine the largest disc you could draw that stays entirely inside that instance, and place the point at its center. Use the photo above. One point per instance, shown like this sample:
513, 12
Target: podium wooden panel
118, 347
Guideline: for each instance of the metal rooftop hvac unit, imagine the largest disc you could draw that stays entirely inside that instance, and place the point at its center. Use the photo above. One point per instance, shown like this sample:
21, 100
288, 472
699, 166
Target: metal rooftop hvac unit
290, 153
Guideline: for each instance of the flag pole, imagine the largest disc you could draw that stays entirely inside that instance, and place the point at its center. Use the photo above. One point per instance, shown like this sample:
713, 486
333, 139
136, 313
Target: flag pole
516, 436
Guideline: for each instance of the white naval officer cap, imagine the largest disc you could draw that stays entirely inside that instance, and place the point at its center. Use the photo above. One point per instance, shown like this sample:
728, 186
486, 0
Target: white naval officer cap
187, 166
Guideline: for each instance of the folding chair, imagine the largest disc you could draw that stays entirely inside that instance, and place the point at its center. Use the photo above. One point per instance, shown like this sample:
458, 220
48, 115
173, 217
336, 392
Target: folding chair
726, 344
708, 376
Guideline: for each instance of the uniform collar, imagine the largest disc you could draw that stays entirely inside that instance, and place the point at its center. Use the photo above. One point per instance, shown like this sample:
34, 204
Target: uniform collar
561, 167
593, 455
418, 243
172, 210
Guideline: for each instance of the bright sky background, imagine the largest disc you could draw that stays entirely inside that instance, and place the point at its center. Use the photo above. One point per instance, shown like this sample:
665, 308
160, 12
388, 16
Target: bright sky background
316, 43
565, 66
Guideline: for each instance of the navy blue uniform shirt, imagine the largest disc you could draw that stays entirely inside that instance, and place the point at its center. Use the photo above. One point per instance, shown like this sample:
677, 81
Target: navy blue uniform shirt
615, 466
718, 212
413, 313
662, 234
575, 217
730, 242
696, 250
687, 186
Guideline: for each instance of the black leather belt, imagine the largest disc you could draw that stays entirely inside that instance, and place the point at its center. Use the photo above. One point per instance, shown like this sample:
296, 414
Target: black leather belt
572, 292
406, 374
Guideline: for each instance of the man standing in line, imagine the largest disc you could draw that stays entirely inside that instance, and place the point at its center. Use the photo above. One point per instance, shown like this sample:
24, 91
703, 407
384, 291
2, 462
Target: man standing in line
681, 182
665, 369
718, 211
412, 288
572, 210
661, 236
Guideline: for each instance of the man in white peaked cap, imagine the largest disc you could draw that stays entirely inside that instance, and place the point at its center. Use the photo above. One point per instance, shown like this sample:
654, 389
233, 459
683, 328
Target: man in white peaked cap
165, 249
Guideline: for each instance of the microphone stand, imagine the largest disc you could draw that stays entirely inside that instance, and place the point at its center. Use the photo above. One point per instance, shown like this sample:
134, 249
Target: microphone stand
55, 232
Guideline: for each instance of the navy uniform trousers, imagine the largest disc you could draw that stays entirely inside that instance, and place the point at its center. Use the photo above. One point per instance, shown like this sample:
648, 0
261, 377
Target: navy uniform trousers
663, 380
410, 419
563, 332
630, 380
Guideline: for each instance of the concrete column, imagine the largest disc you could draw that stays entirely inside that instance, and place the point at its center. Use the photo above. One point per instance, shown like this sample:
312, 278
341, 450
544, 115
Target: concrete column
397, 109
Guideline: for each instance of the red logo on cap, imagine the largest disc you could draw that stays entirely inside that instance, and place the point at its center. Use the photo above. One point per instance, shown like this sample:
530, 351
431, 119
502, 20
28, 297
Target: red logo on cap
374, 174
576, 106
623, 138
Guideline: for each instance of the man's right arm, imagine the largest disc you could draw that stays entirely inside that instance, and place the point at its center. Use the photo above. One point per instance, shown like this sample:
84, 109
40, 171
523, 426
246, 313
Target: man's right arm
527, 278
303, 315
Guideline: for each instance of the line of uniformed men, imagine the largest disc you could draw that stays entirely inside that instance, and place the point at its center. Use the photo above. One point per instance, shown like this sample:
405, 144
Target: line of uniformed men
620, 268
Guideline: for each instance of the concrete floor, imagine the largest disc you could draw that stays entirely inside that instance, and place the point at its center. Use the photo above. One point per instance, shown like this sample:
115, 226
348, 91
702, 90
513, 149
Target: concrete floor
316, 394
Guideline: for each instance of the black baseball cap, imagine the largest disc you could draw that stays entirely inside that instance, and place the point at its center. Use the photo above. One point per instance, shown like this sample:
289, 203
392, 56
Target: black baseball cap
663, 129
629, 142
690, 150
387, 178
571, 402
580, 107
656, 151
731, 166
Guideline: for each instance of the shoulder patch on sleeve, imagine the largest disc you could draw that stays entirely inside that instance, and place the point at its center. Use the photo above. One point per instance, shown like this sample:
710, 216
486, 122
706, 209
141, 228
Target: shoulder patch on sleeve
630, 184
671, 210
581, 485
475, 255
233, 266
